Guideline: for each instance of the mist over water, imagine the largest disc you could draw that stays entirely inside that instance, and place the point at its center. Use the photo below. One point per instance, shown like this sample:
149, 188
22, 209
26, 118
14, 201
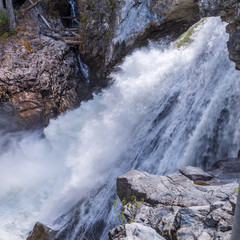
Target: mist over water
166, 109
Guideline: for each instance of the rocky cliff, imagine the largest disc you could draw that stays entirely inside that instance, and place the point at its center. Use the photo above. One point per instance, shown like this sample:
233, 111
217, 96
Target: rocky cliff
189, 204
109, 30
39, 77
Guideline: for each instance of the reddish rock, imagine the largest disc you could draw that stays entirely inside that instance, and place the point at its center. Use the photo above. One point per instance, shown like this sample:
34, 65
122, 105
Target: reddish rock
41, 232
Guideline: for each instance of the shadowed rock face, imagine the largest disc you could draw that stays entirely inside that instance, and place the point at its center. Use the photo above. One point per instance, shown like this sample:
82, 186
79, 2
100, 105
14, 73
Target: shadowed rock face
109, 30
189, 204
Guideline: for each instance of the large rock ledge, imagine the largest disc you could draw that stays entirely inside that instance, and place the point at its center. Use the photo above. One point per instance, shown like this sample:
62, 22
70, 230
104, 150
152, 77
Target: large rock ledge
189, 204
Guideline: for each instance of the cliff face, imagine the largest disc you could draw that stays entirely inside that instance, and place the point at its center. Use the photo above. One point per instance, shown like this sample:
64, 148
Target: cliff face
39, 77
189, 204
109, 30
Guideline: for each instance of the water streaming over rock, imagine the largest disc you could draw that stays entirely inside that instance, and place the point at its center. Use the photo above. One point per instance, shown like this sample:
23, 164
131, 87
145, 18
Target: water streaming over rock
167, 108
74, 10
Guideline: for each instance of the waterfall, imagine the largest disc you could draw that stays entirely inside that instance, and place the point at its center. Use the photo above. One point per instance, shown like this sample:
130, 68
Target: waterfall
74, 8
167, 108
83, 68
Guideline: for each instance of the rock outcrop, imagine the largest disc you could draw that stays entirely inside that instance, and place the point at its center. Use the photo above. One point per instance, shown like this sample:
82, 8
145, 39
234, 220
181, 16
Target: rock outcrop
39, 77
109, 30
41, 232
229, 12
39, 74
189, 204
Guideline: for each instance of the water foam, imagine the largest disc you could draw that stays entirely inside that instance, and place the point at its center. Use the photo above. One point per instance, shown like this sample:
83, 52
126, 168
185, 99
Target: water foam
167, 108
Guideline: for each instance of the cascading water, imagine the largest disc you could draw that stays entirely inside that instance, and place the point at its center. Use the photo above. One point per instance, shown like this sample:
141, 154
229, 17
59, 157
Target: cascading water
82, 66
74, 7
84, 69
167, 108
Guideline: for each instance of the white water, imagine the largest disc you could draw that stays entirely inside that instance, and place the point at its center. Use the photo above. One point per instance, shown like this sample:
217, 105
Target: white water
167, 108
73, 5
84, 68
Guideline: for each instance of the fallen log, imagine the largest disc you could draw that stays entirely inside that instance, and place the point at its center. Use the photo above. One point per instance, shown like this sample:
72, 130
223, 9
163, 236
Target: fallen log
43, 18
71, 42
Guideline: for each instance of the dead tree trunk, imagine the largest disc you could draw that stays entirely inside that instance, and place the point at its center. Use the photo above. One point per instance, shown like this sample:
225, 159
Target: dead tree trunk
10, 14
1, 5
236, 222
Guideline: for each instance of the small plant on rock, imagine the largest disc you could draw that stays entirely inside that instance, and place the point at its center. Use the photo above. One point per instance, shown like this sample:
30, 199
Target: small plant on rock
132, 207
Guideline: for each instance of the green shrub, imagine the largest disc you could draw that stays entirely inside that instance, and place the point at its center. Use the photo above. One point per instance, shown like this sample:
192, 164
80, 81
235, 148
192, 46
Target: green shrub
3, 17
132, 206
113, 4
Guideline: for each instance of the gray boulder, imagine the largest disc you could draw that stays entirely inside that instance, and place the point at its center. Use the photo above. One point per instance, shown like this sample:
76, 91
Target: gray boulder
189, 204
195, 173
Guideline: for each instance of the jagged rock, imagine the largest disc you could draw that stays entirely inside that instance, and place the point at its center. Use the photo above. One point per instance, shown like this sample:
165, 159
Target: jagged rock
111, 29
41, 232
189, 204
39, 77
135, 231
225, 171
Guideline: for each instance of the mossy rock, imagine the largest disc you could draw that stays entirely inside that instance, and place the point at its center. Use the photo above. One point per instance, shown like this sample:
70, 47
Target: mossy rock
5, 35
186, 38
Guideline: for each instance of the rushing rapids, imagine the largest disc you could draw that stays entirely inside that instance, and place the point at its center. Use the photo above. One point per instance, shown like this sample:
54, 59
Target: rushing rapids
167, 108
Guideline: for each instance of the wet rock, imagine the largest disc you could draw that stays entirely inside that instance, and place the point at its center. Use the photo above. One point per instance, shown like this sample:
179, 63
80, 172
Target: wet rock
229, 12
225, 171
189, 204
41, 232
109, 30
